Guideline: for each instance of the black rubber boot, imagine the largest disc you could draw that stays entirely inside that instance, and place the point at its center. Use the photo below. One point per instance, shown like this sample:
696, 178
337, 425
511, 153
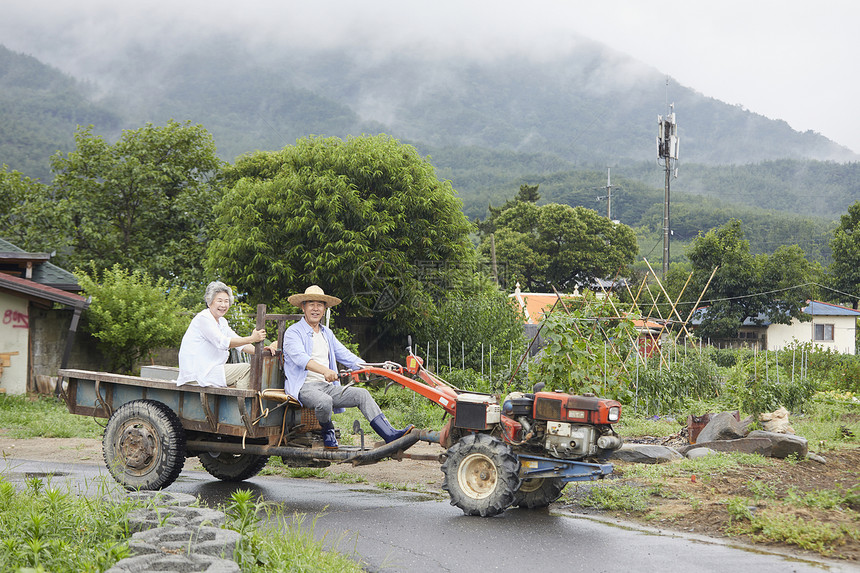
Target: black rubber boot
382, 426
329, 437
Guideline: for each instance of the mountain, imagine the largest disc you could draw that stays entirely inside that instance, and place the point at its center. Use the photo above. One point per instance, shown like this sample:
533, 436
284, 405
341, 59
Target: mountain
488, 124
592, 106
40, 107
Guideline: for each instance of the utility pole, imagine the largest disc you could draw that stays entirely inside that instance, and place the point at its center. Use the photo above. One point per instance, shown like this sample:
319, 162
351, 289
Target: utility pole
667, 153
609, 187
608, 195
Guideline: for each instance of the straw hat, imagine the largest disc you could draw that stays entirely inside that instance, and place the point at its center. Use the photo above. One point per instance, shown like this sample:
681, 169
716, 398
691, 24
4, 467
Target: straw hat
313, 292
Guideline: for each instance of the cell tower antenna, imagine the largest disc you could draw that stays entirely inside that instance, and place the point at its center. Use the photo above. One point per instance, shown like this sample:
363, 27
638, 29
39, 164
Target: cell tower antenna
667, 153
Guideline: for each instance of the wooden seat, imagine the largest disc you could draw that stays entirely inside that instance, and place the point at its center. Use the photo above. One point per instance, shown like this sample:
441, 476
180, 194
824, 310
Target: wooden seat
278, 395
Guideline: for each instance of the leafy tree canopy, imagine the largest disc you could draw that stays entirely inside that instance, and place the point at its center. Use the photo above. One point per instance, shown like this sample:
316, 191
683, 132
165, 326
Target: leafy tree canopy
146, 199
845, 268
365, 218
25, 209
745, 286
556, 245
527, 194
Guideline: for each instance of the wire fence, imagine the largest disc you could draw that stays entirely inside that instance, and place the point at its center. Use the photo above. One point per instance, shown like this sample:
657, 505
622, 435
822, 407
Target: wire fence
493, 364
487, 360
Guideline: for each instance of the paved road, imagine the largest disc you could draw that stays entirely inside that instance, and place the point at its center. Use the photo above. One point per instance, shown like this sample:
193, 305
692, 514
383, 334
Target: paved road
404, 531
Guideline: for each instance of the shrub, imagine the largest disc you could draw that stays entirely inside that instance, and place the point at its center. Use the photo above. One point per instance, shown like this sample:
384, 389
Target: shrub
762, 384
587, 350
130, 315
471, 324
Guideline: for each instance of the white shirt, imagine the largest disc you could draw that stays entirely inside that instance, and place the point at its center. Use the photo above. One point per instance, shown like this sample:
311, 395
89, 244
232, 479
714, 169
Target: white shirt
319, 354
204, 350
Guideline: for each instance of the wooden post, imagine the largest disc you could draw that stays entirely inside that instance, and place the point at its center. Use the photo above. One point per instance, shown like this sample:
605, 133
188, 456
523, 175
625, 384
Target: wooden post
257, 357
70, 339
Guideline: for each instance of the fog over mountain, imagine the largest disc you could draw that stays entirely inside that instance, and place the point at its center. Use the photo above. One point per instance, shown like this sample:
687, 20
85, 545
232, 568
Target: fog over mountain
491, 111
784, 59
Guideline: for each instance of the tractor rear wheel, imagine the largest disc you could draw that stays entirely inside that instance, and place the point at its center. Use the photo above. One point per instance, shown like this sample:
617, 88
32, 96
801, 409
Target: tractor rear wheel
538, 492
232, 467
144, 445
481, 475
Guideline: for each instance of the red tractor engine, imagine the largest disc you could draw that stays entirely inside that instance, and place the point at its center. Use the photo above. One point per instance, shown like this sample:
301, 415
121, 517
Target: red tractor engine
562, 425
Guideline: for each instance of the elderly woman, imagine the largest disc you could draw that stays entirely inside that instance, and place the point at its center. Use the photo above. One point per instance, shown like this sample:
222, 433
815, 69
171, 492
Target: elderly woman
207, 343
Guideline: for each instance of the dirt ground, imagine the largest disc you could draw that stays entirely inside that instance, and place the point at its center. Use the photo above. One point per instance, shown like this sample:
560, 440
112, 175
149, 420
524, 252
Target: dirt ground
416, 474
698, 504
691, 504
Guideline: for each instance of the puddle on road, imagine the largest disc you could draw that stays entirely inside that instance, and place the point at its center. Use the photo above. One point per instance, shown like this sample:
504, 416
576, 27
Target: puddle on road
30, 475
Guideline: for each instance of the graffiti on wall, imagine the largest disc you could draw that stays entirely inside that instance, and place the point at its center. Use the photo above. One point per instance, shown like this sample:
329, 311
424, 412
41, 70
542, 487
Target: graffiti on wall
16, 319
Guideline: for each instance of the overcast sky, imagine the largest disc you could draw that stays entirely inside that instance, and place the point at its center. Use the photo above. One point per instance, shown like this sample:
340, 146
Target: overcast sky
785, 59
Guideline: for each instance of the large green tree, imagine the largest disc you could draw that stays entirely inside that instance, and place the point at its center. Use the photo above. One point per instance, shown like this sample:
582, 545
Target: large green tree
557, 246
845, 268
26, 208
746, 286
145, 201
366, 218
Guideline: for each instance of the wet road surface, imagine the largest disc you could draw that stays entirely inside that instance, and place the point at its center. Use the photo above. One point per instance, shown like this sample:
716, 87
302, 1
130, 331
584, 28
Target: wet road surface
415, 532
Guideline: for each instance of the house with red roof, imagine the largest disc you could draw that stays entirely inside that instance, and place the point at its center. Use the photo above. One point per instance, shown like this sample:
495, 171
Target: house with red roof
535, 306
39, 303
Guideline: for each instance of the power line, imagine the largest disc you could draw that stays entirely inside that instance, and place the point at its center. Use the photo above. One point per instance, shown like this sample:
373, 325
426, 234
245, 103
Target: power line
741, 297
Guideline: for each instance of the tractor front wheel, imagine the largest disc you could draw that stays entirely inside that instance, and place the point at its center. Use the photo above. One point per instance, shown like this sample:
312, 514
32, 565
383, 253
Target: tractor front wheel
481, 475
538, 492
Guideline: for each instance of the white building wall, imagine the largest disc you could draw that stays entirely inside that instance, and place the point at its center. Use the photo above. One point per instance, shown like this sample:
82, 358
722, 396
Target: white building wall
14, 342
781, 335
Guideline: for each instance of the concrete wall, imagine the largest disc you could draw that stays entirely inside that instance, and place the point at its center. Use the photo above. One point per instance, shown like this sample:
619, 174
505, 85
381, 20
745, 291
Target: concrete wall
14, 343
781, 335
49, 331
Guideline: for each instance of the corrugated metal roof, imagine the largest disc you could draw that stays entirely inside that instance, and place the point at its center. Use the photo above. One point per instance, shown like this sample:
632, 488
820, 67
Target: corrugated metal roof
44, 272
813, 307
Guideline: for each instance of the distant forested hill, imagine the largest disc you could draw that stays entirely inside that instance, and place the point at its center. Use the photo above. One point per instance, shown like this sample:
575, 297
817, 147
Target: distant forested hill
640, 205
589, 107
488, 126
39, 110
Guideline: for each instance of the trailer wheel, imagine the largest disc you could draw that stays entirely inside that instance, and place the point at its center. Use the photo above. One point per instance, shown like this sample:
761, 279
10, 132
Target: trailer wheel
481, 475
144, 445
539, 492
232, 467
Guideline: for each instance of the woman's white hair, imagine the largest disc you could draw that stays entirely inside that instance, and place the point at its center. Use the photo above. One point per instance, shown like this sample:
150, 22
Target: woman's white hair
214, 288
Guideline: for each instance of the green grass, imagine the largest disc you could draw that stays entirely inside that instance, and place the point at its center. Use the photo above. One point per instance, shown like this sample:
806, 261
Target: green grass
829, 420
826, 498
703, 467
769, 526
613, 498
44, 417
47, 529
280, 542
44, 528
632, 425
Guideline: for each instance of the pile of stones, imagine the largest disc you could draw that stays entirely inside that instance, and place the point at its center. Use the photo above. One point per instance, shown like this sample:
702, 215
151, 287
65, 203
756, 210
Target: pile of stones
723, 432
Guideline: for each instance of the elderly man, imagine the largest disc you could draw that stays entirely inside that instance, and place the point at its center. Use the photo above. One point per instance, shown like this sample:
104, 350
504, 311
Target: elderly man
311, 354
